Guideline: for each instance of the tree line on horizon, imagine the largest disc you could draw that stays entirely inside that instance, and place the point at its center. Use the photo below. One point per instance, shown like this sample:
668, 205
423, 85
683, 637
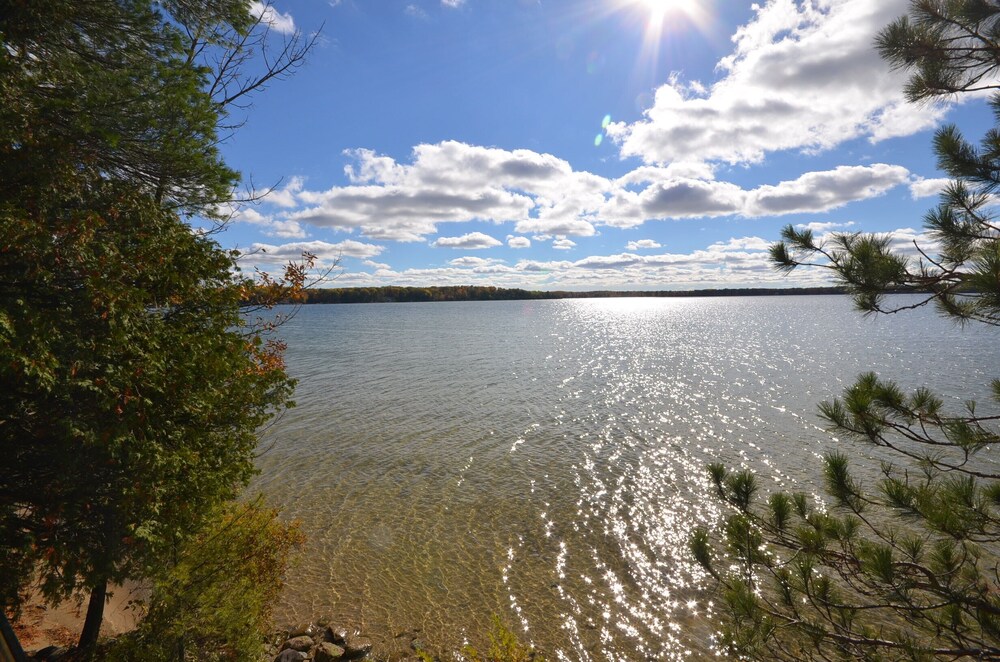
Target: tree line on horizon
403, 294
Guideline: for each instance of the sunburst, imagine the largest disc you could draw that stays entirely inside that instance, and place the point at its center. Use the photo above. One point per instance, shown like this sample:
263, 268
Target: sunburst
659, 9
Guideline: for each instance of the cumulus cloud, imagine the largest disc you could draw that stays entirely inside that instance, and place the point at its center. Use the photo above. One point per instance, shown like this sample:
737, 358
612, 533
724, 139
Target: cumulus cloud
518, 242
802, 75
471, 241
271, 225
541, 194
472, 261
452, 4
669, 197
268, 15
741, 244
822, 191
641, 244
925, 188
736, 262
325, 252
563, 244
907, 241
821, 228
285, 196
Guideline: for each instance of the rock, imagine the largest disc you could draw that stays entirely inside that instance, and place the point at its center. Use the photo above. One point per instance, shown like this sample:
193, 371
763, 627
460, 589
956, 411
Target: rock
307, 630
328, 652
336, 635
357, 647
300, 643
289, 655
400, 656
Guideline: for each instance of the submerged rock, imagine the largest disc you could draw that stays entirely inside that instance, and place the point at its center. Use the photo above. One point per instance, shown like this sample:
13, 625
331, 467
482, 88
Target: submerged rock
307, 630
290, 655
318, 642
336, 635
328, 652
300, 643
357, 647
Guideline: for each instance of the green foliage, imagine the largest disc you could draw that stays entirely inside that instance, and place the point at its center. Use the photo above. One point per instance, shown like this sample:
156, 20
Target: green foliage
214, 602
134, 380
106, 86
135, 395
904, 569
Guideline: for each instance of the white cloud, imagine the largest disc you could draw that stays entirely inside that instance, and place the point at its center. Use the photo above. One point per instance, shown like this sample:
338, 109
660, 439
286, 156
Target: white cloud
671, 197
740, 262
471, 241
563, 244
741, 244
285, 196
540, 194
272, 226
906, 241
641, 244
518, 242
575, 226
326, 252
472, 261
903, 240
453, 4
823, 191
802, 75
268, 15
818, 227
925, 188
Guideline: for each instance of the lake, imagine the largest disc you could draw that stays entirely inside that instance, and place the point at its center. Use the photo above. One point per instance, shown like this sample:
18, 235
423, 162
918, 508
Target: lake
544, 461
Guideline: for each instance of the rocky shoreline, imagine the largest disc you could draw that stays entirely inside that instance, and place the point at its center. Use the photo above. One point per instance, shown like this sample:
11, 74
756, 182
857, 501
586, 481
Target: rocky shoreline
323, 642
315, 642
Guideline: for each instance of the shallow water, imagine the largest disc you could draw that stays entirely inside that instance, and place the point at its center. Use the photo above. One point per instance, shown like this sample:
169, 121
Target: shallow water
544, 460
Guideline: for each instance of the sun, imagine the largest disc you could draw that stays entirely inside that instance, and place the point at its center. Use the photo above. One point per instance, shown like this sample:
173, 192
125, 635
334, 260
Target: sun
659, 9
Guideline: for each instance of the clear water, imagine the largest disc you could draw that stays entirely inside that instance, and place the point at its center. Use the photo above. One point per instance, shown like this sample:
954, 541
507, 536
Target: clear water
544, 461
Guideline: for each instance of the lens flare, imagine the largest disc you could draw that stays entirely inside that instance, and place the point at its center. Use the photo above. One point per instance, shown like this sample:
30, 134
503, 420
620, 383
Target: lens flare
658, 9
659, 20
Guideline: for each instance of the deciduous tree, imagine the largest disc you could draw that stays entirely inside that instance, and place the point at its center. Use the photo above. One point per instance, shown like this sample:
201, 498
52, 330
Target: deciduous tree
132, 379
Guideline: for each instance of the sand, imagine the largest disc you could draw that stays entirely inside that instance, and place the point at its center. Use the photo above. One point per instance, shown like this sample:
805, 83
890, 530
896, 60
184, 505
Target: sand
41, 625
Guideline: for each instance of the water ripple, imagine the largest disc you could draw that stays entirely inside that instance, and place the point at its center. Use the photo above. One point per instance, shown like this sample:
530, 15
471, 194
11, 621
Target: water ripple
544, 461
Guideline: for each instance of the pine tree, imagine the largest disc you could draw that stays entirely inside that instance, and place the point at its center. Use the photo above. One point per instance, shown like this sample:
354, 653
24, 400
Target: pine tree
906, 569
133, 380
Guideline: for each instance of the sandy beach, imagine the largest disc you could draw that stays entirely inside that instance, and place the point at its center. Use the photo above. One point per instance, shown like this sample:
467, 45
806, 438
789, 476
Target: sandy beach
40, 625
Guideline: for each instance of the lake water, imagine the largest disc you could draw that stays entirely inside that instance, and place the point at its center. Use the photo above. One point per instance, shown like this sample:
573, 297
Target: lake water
544, 460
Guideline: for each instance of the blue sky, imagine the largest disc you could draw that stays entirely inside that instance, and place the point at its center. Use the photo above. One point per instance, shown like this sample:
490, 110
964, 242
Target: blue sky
584, 144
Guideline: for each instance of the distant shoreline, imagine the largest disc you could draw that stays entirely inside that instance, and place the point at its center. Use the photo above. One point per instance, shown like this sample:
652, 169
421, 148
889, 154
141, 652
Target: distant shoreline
394, 294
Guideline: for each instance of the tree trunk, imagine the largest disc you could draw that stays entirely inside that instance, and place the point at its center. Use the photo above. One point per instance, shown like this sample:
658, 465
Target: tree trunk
95, 614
